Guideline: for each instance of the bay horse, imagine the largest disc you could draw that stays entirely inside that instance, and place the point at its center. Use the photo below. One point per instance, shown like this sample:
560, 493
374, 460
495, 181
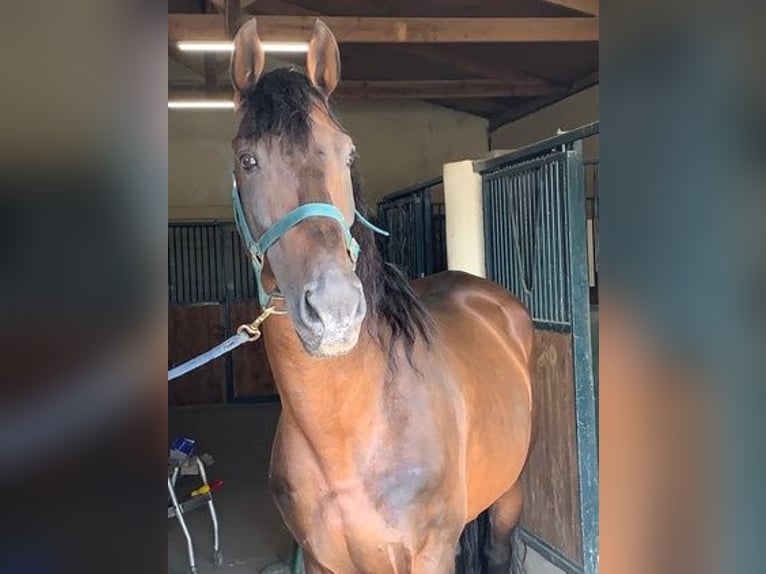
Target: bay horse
406, 408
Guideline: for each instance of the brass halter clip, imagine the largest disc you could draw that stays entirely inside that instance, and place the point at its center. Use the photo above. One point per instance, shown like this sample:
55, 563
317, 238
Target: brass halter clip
254, 329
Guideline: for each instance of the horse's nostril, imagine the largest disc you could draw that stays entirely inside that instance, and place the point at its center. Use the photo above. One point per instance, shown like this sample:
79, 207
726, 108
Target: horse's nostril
361, 309
309, 314
331, 307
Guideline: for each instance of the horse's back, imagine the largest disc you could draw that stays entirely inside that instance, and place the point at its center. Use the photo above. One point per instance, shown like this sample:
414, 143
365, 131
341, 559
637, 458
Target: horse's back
485, 336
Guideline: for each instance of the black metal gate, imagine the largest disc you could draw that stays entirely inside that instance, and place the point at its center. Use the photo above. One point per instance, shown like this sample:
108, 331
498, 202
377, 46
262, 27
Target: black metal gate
207, 264
536, 245
415, 219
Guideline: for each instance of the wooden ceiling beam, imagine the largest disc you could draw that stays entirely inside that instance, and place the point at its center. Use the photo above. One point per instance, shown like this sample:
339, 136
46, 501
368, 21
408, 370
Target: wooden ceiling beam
219, 6
286, 8
425, 89
589, 7
458, 61
211, 73
470, 65
212, 27
518, 112
278, 7
420, 89
233, 15
214, 6
444, 55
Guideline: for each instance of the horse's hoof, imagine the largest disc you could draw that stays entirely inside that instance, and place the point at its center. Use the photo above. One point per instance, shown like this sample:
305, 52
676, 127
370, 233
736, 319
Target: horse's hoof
218, 558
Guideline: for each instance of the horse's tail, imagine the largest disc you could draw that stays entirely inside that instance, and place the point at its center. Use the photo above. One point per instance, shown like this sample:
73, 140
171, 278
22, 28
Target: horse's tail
471, 558
518, 552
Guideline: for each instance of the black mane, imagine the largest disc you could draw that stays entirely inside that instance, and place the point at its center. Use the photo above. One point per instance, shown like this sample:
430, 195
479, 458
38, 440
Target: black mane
389, 295
279, 106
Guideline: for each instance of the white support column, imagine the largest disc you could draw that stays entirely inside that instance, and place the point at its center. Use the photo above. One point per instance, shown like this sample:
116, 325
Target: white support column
464, 218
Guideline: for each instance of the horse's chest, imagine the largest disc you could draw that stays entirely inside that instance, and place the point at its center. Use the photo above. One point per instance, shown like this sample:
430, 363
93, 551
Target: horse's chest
375, 538
359, 525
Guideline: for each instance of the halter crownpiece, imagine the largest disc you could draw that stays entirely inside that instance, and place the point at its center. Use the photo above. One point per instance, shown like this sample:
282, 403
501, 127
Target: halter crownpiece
258, 248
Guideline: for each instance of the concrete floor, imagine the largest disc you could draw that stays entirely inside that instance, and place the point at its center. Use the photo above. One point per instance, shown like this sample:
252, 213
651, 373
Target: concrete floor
251, 529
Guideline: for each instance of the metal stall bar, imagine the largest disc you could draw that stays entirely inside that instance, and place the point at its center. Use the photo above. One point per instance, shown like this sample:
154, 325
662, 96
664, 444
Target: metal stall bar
516, 231
415, 219
542, 147
585, 400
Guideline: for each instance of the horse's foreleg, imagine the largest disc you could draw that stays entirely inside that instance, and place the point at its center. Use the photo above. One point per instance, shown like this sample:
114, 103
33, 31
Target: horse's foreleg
504, 516
435, 560
311, 566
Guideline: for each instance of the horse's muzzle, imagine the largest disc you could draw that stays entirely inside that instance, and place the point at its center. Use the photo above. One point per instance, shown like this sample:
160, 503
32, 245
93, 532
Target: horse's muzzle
330, 313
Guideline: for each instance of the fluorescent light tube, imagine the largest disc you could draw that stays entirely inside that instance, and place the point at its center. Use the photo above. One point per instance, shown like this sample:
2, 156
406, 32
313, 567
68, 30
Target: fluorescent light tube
200, 105
274, 47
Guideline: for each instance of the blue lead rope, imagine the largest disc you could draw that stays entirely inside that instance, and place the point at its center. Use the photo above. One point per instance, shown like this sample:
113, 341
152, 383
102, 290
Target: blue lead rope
228, 345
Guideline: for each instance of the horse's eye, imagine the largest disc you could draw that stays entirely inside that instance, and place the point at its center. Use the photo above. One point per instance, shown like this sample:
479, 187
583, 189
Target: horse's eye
351, 158
248, 161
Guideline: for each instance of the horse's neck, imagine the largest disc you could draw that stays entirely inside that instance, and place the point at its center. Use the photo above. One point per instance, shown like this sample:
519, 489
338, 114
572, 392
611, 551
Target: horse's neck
334, 400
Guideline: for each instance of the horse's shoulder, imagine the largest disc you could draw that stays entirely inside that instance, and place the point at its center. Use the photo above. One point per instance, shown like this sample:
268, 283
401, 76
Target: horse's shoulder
455, 293
460, 286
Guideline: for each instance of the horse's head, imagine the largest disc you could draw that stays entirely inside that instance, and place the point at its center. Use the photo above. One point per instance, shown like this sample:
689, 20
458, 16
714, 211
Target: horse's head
291, 153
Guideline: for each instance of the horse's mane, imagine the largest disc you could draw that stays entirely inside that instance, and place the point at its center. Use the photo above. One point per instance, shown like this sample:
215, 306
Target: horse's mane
279, 106
388, 292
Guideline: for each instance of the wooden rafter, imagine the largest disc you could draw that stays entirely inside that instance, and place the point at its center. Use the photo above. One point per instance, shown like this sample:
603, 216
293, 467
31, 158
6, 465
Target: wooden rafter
444, 55
284, 7
394, 30
445, 89
232, 14
470, 65
211, 73
278, 7
518, 112
220, 5
420, 89
589, 7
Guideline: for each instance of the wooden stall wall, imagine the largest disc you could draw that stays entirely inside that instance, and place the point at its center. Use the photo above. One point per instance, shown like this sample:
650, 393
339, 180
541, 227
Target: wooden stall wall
550, 482
211, 291
193, 329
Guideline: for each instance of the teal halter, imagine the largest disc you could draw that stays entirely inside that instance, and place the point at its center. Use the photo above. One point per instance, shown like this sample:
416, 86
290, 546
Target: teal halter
257, 249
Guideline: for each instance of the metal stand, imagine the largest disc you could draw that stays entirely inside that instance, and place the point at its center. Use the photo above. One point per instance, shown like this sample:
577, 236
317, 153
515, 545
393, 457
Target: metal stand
176, 509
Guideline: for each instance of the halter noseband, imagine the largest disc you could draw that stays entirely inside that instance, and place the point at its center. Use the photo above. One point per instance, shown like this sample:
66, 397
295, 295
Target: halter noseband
257, 249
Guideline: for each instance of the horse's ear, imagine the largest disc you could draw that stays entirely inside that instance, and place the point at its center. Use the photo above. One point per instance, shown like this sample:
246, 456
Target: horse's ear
323, 59
247, 58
